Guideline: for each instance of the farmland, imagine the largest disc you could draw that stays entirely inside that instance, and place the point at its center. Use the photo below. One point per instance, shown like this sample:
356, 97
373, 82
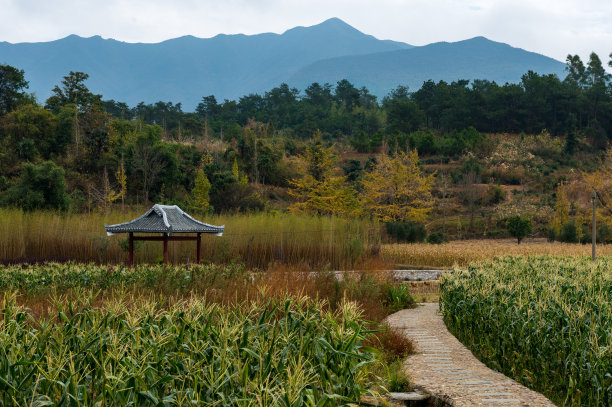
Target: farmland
545, 321
85, 334
464, 252
282, 352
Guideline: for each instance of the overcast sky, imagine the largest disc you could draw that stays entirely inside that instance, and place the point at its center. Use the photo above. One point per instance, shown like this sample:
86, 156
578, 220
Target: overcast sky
551, 27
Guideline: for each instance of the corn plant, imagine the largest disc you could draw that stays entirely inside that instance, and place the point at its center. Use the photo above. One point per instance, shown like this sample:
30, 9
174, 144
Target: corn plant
545, 321
285, 352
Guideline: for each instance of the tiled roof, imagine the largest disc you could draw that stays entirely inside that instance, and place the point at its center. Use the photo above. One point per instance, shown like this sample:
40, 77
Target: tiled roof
164, 219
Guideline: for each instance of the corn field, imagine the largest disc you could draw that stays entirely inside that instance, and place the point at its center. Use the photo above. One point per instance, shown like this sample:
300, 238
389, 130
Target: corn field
545, 321
282, 352
59, 277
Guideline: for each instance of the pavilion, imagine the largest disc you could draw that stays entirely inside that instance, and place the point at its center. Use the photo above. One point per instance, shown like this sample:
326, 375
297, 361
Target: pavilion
167, 220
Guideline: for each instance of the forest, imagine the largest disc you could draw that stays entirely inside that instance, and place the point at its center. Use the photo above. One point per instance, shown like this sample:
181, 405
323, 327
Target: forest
464, 156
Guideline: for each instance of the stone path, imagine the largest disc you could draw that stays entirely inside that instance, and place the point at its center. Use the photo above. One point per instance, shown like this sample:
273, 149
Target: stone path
446, 369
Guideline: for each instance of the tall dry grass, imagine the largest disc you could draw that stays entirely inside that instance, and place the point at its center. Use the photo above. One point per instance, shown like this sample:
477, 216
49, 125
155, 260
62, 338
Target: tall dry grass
464, 252
255, 239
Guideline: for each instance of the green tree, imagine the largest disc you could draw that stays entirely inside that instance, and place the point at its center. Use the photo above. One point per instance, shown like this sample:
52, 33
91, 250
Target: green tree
361, 142
404, 116
73, 91
347, 94
149, 160
595, 72
31, 124
575, 71
518, 227
12, 84
40, 186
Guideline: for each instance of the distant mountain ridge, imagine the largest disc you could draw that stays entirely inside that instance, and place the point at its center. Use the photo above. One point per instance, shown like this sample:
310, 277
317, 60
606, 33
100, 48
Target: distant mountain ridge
476, 58
187, 68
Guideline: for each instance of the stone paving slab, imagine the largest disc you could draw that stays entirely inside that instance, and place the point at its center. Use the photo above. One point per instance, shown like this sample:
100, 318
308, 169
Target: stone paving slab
445, 368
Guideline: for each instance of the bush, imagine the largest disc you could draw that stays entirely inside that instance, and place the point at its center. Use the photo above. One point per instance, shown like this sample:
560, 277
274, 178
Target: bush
398, 378
518, 227
40, 186
436, 238
398, 297
394, 346
604, 233
495, 194
569, 233
552, 234
409, 232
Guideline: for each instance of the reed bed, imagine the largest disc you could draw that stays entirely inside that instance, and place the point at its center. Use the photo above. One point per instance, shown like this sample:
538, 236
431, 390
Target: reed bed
545, 321
463, 252
255, 239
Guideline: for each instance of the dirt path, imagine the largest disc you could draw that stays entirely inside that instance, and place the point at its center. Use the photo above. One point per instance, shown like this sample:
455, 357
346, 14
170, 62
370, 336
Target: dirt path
445, 368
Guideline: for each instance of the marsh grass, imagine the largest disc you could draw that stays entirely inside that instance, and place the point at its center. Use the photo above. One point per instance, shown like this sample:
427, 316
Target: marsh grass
254, 239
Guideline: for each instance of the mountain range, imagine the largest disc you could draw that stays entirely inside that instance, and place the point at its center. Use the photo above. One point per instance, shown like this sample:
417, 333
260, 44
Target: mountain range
187, 68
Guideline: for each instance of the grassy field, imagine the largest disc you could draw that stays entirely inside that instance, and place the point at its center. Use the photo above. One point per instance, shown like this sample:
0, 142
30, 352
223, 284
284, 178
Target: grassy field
258, 240
464, 252
87, 334
545, 321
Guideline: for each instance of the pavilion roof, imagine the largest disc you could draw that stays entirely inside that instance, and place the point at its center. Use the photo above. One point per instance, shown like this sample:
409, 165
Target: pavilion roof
164, 219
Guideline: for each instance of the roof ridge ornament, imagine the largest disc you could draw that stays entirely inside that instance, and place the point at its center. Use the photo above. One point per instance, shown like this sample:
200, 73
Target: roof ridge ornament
170, 219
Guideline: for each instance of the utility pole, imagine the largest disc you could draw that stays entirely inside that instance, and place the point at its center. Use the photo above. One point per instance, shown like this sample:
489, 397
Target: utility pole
594, 231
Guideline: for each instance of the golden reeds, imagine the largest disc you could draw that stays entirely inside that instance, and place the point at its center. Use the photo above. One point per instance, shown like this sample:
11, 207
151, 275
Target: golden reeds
255, 239
464, 252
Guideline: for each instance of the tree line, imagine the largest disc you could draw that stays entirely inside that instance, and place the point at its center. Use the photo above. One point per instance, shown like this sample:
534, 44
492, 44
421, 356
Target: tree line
78, 151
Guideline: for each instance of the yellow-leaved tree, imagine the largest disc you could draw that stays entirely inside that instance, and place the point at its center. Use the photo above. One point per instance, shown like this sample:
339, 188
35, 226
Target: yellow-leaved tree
319, 190
562, 207
601, 181
200, 199
121, 178
396, 189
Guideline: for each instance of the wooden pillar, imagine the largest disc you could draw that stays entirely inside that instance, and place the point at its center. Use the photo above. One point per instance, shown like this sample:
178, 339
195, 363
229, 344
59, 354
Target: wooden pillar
131, 251
165, 248
199, 249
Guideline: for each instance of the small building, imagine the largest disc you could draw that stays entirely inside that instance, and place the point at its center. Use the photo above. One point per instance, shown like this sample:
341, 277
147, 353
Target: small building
167, 220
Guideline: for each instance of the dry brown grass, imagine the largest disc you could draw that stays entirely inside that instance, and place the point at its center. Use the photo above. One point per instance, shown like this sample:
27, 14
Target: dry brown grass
425, 291
255, 239
463, 252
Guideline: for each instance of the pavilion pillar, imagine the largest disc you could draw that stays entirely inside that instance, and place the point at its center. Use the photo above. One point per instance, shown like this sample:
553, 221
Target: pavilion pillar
199, 249
131, 251
165, 248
